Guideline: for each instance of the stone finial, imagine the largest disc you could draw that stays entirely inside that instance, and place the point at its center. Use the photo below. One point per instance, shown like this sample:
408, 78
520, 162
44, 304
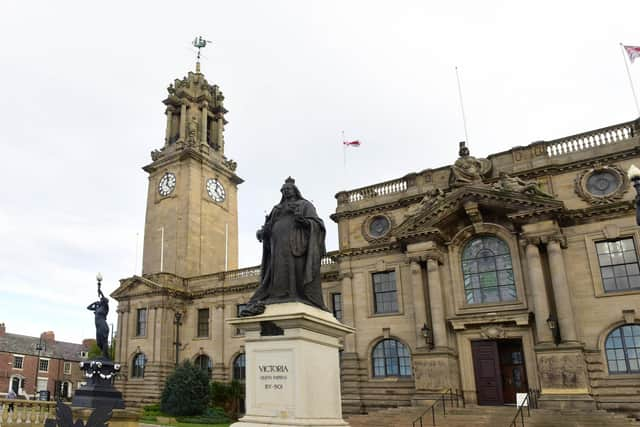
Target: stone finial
3, 330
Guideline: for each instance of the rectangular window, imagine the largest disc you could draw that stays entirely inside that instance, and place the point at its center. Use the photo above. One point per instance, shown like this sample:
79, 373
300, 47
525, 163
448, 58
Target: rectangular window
44, 365
18, 361
239, 308
384, 288
203, 322
618, 261
141, 322
67, 368
336, 302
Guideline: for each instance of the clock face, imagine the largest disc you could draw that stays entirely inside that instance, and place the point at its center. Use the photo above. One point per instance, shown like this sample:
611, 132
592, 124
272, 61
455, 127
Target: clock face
215, 190
167, 184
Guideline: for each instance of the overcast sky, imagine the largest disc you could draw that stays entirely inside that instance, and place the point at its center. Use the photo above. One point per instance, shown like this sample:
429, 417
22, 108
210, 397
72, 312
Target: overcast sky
81, 110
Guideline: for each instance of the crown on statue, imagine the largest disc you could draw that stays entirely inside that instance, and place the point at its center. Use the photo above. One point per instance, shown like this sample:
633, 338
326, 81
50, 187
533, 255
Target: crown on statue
289, 181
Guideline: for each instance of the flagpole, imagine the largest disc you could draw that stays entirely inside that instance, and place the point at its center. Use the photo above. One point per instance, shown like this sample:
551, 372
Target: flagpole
626, 66
464, 118
344, 155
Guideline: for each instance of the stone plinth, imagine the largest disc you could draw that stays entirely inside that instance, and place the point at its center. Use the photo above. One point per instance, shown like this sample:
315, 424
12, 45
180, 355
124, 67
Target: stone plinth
292, 367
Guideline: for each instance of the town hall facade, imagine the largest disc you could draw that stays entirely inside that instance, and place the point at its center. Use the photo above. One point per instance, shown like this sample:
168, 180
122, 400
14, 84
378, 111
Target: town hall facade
491, 276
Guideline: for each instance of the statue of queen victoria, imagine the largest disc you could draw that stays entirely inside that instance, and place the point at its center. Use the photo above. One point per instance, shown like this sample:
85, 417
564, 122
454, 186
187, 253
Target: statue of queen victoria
292, 246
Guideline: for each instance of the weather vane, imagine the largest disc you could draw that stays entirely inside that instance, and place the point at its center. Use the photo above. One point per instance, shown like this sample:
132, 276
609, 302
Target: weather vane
199, 42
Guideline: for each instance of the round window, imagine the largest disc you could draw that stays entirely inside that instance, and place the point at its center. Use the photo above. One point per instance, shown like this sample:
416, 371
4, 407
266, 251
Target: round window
603, 182
379, 226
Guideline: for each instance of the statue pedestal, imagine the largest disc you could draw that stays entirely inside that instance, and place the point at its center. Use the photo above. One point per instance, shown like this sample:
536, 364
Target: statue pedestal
292, 367
99, 392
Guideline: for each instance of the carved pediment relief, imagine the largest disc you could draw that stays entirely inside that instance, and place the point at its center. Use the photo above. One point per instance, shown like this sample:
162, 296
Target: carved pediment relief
470, 202
137, 285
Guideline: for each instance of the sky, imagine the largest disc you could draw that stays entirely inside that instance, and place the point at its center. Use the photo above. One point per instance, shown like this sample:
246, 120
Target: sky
81, 111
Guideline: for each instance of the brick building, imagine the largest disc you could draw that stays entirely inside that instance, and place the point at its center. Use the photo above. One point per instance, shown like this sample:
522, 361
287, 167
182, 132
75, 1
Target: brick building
490, 275
57, 362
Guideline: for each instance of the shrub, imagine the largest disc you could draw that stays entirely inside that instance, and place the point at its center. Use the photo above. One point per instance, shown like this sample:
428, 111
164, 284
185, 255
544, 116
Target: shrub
186, 391
227, 396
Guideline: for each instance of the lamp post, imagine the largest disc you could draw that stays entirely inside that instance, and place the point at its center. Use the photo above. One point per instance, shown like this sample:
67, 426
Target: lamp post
552, 322
177, 321
634, 176
427, 333
39, 347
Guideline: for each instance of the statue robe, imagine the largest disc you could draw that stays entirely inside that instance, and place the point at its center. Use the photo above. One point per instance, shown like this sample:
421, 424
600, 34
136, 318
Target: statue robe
291, 255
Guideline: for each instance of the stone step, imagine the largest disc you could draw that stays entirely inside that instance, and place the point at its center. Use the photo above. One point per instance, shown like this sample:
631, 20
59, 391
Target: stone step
491, 416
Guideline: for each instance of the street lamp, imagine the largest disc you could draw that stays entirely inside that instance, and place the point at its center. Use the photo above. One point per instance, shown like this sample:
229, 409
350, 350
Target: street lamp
634, 176
552, 323
39, 347
177, 321
428, 335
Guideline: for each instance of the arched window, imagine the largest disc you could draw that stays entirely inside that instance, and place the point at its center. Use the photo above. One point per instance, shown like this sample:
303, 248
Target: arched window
623, 350
487, 271
391, 358
137, 370
204, 362
239, 368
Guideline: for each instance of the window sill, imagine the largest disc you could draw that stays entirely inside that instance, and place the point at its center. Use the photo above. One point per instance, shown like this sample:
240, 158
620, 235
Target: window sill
201, 338
602, 293
138, 337
391, 379
395, 313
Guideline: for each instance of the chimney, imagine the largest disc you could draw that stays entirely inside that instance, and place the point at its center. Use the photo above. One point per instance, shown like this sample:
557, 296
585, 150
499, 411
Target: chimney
88, 342
3, 330
48, 336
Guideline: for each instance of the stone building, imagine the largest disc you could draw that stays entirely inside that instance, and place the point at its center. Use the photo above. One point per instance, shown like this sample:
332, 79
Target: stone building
491, 276
57, 364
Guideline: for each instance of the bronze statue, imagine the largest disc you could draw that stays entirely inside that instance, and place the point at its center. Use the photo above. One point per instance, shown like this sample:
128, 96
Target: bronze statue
101, 310
292, 246
468, 169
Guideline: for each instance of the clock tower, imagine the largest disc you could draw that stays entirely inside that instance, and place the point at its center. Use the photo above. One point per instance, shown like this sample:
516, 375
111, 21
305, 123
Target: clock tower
191, 225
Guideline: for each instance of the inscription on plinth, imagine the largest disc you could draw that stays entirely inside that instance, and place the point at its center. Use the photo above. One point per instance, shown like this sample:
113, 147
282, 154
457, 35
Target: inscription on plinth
274, 378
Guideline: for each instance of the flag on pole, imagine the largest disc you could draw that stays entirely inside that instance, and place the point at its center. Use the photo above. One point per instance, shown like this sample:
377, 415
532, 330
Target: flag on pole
633, 52
355, 143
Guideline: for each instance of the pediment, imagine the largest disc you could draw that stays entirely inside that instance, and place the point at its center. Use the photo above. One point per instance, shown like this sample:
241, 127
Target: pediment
434, 214
141, 285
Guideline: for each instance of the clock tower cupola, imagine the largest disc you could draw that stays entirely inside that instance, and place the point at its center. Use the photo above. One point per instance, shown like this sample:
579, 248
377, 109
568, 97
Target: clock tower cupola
191, 225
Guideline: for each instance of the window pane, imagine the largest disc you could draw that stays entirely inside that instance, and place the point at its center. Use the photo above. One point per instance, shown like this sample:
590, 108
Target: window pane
607, 272
507, 293
604, 259
490, 295
602, 248
627, 245
630, 256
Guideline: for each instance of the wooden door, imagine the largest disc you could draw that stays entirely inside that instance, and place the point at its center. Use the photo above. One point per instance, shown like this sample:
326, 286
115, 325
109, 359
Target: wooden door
514, 377
486, 365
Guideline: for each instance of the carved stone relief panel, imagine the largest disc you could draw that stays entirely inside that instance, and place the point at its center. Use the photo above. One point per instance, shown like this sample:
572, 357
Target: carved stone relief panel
562, 370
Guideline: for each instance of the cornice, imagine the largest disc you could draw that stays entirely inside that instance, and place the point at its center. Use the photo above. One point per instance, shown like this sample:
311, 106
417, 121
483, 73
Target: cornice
218, 163
597, 213
399, 203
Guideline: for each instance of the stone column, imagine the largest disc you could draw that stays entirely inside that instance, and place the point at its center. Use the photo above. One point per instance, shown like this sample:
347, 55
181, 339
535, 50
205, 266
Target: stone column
419, 305
219, 373
348, 311
561, 291
167, 135
538, 292
203, 138
183, 122
437, 302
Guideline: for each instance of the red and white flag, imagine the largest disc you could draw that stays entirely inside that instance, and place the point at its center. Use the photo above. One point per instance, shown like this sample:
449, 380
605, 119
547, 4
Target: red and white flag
355, 143
633, 52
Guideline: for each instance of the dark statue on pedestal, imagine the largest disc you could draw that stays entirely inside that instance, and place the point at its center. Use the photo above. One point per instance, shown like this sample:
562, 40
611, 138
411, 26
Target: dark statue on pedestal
101, 310
99, 391
292, 246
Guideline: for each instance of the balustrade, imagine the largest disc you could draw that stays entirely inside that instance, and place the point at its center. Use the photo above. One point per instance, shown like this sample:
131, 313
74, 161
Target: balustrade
381, 189
591, 139
25, 412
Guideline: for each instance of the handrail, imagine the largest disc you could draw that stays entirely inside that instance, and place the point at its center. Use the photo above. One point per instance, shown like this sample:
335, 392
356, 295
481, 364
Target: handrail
442, 399
530, 401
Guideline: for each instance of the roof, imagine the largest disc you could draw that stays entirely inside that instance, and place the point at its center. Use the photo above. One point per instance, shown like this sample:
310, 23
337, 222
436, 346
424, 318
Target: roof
22, 344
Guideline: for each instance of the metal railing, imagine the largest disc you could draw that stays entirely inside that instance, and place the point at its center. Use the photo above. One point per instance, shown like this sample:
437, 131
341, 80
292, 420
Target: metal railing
449, 395
530, 402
